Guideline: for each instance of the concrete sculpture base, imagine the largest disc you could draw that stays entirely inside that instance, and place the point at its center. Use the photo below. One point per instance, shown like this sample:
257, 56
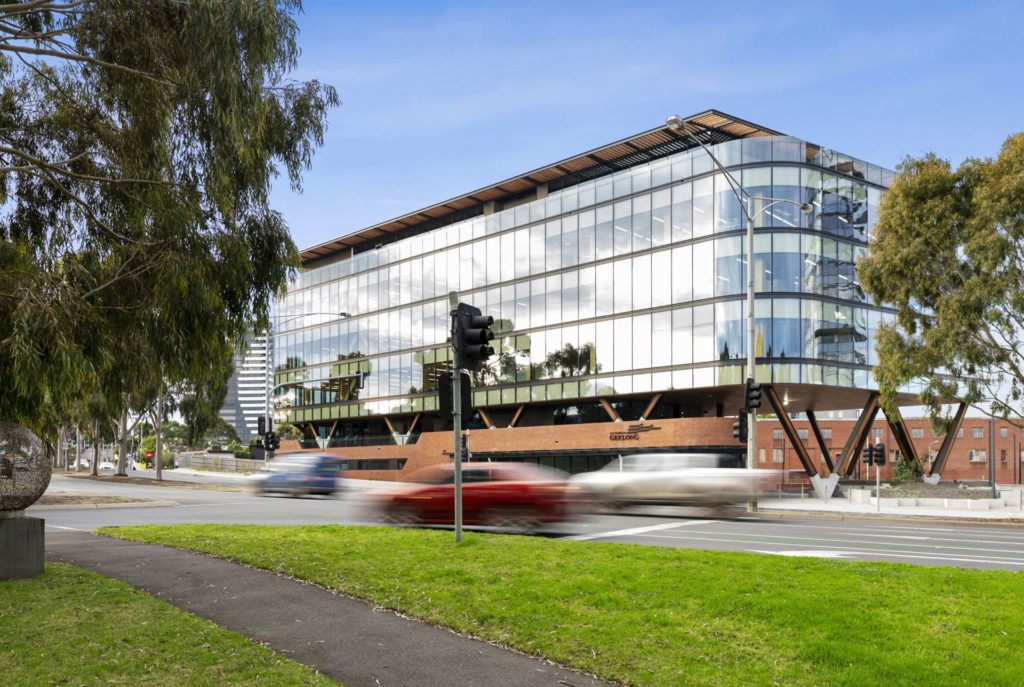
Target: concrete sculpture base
21, 545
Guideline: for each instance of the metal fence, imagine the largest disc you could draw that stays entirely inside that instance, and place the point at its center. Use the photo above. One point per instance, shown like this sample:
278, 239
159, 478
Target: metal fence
221, 462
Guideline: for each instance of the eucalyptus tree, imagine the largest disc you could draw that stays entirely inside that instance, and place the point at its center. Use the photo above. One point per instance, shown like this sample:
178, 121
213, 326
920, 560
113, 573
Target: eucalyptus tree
948, 253
138, 144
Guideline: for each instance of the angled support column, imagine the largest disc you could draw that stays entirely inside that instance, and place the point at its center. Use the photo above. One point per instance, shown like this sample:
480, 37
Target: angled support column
650, 407
486, 418
415, 420
611, 411
820, 439
947, 443
330, 435
899, 433
848, 458
790, 429
515, 418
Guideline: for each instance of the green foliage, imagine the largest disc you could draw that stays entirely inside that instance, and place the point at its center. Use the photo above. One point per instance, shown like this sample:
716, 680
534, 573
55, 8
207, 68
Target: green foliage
644, 615
148, 444
948, 254
103, 618
239, 449
904, 472
137, 244
287, 431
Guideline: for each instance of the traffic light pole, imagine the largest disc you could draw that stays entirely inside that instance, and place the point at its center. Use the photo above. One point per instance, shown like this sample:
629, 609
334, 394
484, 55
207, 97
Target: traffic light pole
751, 352
453, 301
878, 486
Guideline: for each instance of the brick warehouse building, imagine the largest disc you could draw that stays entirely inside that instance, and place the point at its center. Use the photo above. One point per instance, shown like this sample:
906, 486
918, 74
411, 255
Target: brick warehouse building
968, 459
616, 279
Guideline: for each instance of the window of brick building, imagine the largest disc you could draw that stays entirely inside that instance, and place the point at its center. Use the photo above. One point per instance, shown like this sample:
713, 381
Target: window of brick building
960, 433
777, 434
760, 455
1002, 430
1002, 456
776, 455
876, 433
917, 432
976, 456
978, 432
826, 433
802, 433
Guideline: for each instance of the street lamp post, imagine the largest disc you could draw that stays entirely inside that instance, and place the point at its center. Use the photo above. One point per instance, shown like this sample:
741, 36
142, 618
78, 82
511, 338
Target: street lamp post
676, 123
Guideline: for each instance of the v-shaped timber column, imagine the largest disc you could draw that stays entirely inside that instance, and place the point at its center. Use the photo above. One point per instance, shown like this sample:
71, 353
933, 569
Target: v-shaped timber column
947, 442
848, 458
820, 439
899, 433
787, 426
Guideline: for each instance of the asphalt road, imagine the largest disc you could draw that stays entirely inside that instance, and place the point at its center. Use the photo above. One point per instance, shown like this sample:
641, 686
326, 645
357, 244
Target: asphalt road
921, 543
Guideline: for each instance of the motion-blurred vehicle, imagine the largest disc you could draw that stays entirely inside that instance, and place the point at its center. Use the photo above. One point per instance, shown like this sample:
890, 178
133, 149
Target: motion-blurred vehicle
106, 465
511, 496
682, 479
298, 474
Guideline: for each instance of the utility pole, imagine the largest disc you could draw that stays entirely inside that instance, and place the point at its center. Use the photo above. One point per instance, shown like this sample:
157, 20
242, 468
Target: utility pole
992, 455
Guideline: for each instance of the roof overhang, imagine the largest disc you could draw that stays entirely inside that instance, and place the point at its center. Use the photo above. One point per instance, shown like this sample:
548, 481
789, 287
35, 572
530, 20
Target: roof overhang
709, 127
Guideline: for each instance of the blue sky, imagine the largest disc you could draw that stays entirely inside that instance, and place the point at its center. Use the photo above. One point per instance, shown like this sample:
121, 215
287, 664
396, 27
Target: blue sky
442, 98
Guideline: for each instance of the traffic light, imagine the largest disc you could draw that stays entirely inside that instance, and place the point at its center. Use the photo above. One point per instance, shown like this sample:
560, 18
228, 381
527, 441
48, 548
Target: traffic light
271, 441
470, 337
261, 425
739, 428
879, 450
444, 396
868, 453
753, 397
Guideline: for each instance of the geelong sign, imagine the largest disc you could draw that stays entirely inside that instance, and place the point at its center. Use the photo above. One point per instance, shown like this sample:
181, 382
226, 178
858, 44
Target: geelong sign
632, 432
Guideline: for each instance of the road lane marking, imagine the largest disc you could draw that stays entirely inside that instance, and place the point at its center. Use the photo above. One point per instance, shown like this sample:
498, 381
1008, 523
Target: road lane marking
809, 553
814, 541
858, 550
640, 530
73, 529
966, 531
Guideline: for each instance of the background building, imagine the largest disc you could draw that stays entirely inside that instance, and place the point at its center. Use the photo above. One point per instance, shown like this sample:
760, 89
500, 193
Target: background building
616, 279
247, 389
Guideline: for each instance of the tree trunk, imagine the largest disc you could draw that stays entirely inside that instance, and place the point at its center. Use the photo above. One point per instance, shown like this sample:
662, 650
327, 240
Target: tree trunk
79, 447
122, 441
158, 421
94, 467
61, 459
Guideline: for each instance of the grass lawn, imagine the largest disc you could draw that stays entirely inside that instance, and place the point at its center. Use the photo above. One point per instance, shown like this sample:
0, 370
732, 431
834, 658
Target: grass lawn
73, 627
660, 616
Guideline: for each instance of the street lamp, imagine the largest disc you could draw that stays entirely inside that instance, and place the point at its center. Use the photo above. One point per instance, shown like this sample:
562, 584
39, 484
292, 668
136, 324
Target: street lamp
676, 123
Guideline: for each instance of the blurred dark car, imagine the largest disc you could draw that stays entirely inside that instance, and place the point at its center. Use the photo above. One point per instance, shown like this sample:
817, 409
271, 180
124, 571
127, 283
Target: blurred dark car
513, 496
298, 474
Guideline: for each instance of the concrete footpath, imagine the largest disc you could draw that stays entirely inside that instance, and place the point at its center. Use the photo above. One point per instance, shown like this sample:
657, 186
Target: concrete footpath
346, 639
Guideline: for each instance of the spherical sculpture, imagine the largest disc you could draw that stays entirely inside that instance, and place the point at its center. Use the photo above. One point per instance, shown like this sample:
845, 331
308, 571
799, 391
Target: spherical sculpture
24, 467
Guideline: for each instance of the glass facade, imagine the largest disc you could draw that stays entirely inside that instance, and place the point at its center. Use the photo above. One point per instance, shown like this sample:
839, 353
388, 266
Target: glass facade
629, 283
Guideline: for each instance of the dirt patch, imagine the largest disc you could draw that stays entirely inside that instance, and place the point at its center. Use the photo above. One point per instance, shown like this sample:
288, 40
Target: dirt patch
76, 500
919, 490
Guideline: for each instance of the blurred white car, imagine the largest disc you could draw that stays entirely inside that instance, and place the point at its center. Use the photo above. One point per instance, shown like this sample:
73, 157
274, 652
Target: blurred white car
683, 479
106, 465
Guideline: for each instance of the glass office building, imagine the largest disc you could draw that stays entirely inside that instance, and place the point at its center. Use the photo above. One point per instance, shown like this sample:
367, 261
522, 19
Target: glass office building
616, 280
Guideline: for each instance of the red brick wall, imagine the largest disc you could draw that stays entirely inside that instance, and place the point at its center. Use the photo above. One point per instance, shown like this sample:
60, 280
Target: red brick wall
958, 466
431, 447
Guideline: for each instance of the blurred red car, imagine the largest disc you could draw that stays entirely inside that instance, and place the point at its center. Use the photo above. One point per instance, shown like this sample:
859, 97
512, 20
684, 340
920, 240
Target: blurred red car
514, 496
